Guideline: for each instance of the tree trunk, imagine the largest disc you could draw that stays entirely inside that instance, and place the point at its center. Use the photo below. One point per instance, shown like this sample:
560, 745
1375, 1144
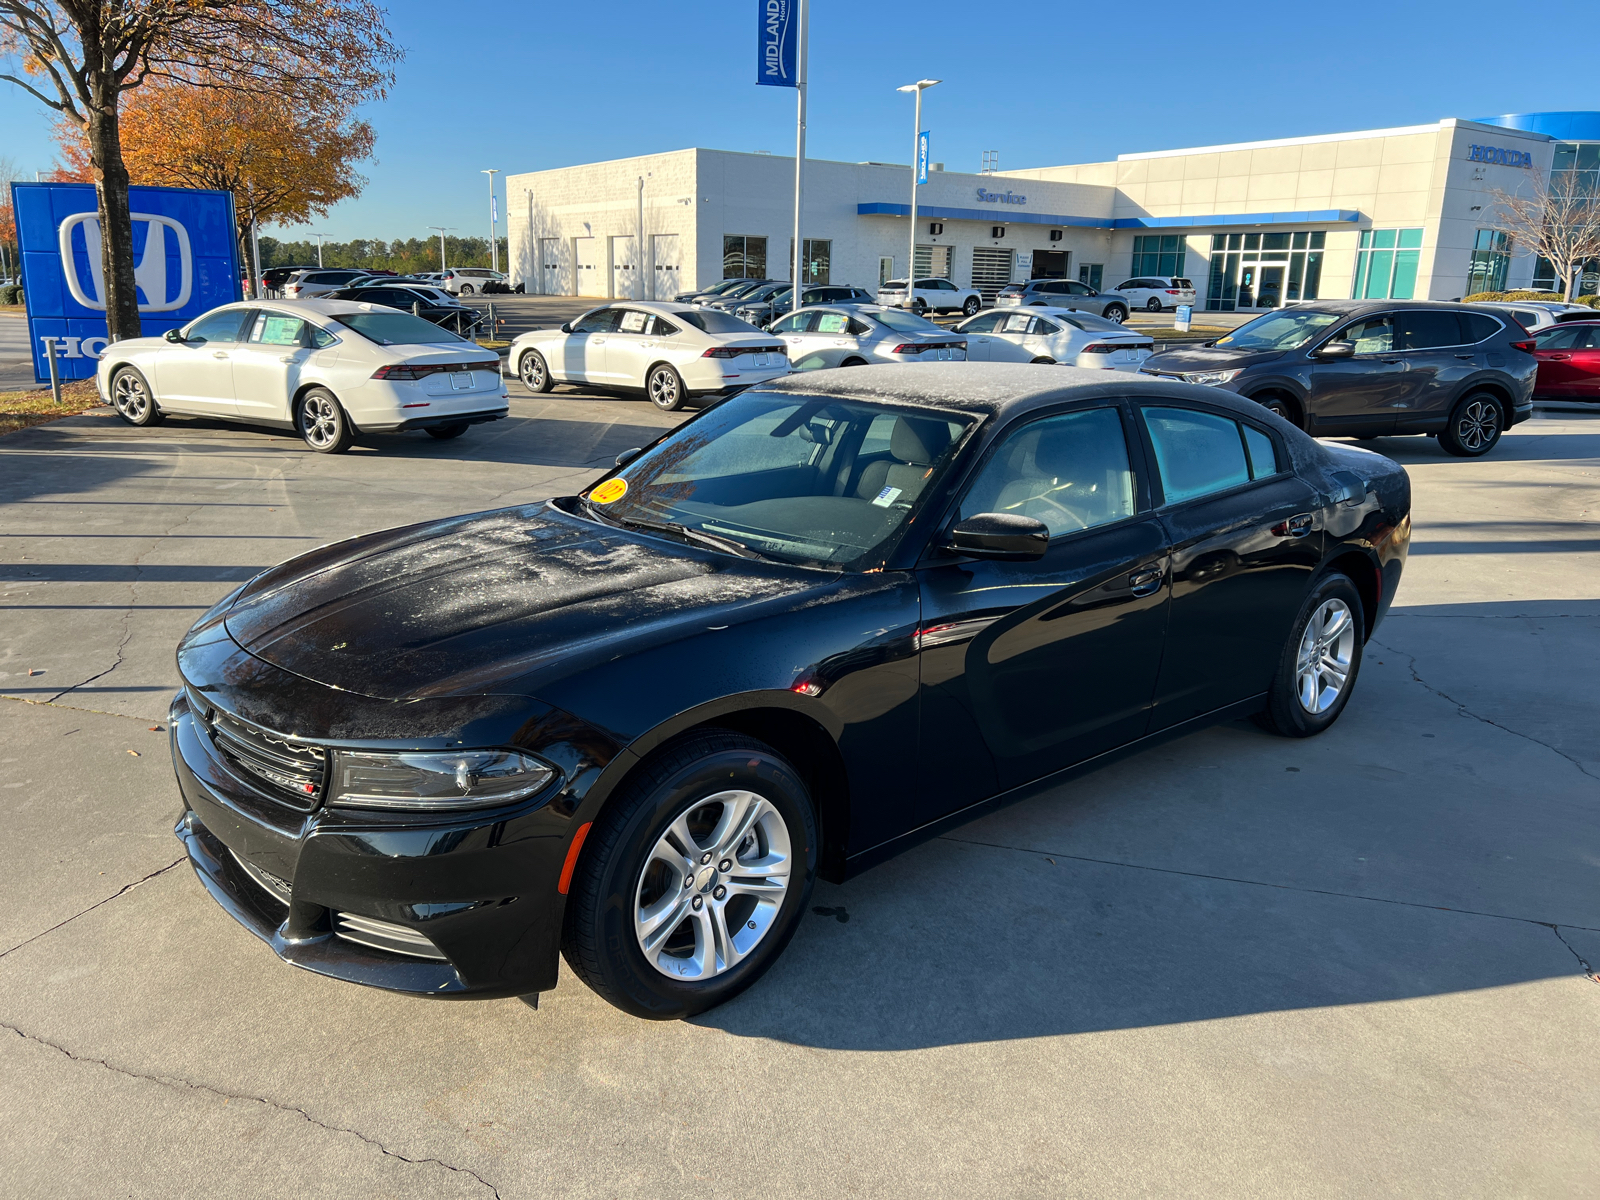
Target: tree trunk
111, 200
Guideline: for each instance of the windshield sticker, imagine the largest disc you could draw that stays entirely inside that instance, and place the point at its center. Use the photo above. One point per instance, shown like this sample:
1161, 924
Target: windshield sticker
609, 492
886, 497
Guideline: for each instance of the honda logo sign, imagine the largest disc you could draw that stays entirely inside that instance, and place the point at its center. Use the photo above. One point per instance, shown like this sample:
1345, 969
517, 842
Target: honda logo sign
185, 263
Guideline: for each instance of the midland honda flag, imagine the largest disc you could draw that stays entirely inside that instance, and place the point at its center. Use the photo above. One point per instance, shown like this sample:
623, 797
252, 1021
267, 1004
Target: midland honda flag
775, 43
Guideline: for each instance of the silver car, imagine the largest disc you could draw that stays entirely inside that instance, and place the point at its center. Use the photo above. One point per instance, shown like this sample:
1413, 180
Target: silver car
854, 335
1538, 315
1063, 293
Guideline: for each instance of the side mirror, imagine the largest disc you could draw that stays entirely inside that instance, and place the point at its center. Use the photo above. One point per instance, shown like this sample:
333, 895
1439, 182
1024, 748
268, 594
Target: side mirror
627, 456
1001, 536
175, 335
1336, 350
567, 328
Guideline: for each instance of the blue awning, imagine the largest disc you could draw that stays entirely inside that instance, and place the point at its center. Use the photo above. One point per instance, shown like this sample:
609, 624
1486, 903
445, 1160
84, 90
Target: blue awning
1313, 217
1006, 215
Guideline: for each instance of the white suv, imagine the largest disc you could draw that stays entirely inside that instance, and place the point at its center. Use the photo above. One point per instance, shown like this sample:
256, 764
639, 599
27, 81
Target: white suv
932, 295
1155, 292
463, 281
317, 281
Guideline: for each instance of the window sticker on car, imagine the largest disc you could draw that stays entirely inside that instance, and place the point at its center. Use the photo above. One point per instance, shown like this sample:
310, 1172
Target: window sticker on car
633, 322
1016, 323
610, 491
886, 497
832, 323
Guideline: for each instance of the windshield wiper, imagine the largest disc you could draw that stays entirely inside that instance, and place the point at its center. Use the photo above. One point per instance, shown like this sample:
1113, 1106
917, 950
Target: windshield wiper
689, 533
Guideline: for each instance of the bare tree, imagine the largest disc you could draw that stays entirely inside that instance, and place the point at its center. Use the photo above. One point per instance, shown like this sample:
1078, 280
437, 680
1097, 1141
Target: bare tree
79, 56
8, 220
1559, 221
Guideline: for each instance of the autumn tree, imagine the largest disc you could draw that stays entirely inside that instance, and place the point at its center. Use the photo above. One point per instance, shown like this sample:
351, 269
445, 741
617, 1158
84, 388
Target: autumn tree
80, 57
284, 157
9, 262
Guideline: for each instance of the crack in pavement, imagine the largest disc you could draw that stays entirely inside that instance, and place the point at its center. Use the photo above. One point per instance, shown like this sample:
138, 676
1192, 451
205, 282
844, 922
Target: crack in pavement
175, 1083
1463, 710
1282, 887
119, 892
1588, 969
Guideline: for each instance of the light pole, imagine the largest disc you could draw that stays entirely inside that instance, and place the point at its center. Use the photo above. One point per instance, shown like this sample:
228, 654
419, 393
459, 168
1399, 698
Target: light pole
441, 229
319, 237
494, 237
916, 152
797, 276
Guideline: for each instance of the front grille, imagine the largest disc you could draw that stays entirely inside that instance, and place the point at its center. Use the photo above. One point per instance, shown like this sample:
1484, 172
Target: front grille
291, 772
270, 883
385, 935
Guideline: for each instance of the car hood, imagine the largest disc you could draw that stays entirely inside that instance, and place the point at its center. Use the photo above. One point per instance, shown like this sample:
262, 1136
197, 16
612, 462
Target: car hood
492, 602
1208, 358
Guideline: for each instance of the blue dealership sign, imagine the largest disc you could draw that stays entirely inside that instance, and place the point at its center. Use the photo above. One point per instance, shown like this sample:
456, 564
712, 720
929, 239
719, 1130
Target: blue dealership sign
922, 157
185, 254
776, 37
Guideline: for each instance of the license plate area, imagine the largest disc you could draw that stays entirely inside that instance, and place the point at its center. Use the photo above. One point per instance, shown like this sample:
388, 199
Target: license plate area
461, 381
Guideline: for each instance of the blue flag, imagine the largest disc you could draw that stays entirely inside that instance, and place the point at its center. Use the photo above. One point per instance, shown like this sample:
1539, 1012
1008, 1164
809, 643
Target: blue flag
776, 51
922, 157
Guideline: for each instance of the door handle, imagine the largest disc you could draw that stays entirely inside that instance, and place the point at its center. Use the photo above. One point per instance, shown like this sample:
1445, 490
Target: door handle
1393, 362
1468, 357
1146, 581
287, 358
218, 354
1296, 526
1560, 357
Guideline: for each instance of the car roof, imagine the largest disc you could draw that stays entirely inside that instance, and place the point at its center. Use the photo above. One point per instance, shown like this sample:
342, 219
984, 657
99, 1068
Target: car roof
320, 306
1357, 307
993, 389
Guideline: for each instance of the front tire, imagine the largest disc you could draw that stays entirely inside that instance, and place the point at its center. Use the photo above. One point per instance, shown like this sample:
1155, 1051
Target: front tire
919, 306
1116, 314
1475, 426
466, 289
1320, 661
322, 423
970, 308
132, 398
1154, 305
665, 388
533, 372
694, 878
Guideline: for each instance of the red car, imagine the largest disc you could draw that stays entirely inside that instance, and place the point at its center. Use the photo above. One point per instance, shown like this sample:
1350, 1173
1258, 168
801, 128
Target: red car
1569, 361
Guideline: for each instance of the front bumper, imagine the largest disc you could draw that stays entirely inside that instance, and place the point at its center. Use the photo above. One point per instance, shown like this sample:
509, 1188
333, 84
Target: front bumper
474, 892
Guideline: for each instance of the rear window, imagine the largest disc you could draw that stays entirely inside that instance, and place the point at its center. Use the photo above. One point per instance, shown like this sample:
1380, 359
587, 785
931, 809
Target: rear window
1182, 283
396, 329
903, 322
1479, 326
713, 320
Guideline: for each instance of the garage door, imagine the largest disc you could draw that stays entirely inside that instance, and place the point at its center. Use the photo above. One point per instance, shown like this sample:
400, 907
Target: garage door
554, 278
933, 262
991, 271
589, 275
666, 270
624, 272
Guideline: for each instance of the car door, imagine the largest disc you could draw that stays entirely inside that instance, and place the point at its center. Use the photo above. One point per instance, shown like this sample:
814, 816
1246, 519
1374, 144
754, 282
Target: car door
979, 332
267, 365
1360, 393
832, 337
1131, 290
1438, 360
630, 350
196, 375
583, 352
1586, 364
1076, 296
793, 330
1245, 540
1557, 350
1029, 667
1008, 342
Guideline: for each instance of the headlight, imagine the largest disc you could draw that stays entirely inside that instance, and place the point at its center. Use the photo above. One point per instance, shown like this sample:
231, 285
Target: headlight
462, 779
1211, 377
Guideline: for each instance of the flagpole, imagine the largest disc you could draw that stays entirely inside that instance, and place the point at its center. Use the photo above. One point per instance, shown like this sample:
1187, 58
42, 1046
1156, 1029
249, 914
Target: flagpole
802, 55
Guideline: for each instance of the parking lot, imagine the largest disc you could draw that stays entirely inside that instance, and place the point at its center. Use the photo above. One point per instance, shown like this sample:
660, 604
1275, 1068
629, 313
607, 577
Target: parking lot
1359, 965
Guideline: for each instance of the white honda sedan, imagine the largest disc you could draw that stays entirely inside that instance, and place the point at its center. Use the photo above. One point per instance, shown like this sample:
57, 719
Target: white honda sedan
328, 369
1054, 335
668, 351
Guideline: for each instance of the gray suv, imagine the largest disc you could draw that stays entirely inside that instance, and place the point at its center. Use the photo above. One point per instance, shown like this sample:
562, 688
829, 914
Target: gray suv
1063, 293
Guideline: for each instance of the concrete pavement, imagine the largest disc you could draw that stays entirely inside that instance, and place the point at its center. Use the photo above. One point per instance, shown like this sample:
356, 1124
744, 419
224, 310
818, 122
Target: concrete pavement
1236, 966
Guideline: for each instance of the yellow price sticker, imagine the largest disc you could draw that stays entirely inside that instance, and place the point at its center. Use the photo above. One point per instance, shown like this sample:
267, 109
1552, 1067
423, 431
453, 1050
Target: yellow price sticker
610, 491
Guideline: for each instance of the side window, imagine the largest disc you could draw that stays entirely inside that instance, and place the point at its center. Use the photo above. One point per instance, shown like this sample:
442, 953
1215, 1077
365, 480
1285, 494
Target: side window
661, 327
1042, 327
632, 321
321, 339
831, 322
277, 329
1015, 322
602, 321
1478, 326
1529, 319
859, 327
793, 323
984, 323
1071, 472
1263, 455
1428, 329
1080, 289
218, 327
1372, 335
1197, 453
1562, 337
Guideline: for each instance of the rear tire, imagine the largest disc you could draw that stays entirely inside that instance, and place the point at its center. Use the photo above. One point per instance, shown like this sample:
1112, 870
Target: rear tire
854, 362
665, 388
636, 861
1320, 661
466, 289
919, 306
322, 423
1475, 426
1044, 362
1116, 314
533, 372
1281, 406
132, 398
1153, 305
970, 308
443, 433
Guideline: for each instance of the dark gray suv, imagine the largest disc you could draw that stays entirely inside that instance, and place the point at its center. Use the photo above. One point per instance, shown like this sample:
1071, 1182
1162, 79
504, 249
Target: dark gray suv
1367, 368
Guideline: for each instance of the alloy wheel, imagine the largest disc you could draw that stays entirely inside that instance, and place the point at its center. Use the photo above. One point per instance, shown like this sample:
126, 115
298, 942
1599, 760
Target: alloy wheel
1327, 648
1478, 424
532, 371
129, 397
712, 886
664, 387
319, 420
1116, 315
1154, 305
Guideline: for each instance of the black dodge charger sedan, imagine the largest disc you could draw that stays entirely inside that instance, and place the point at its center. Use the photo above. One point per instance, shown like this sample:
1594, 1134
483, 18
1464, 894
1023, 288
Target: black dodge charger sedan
1368, 368
820, 622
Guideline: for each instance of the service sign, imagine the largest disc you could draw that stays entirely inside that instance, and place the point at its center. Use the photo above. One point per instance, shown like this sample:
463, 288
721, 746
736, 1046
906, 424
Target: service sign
185, 262
776, 35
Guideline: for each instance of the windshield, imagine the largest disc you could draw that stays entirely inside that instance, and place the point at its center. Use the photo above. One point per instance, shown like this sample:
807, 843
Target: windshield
394, 328
1278, 331
902, 321
714, 320
798, 479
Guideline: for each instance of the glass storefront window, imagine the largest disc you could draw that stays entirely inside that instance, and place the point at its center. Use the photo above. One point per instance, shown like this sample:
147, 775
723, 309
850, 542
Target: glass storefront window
819, 253
1159, 254
1491, 257
1092, 274
1386, 264
1268, 258
1575, 163
744, 257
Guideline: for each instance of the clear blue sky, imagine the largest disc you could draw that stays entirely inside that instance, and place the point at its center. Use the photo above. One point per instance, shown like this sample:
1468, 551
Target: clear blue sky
535, 84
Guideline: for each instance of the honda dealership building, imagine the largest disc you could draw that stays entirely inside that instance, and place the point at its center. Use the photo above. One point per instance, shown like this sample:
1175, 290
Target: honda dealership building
1402, 213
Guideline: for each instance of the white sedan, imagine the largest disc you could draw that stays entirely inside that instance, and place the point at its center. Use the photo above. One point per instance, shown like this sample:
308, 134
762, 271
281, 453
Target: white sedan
328, 369
668, 351
1054, 335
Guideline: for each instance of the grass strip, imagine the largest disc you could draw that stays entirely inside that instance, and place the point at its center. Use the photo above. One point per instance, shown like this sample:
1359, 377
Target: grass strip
18, 410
